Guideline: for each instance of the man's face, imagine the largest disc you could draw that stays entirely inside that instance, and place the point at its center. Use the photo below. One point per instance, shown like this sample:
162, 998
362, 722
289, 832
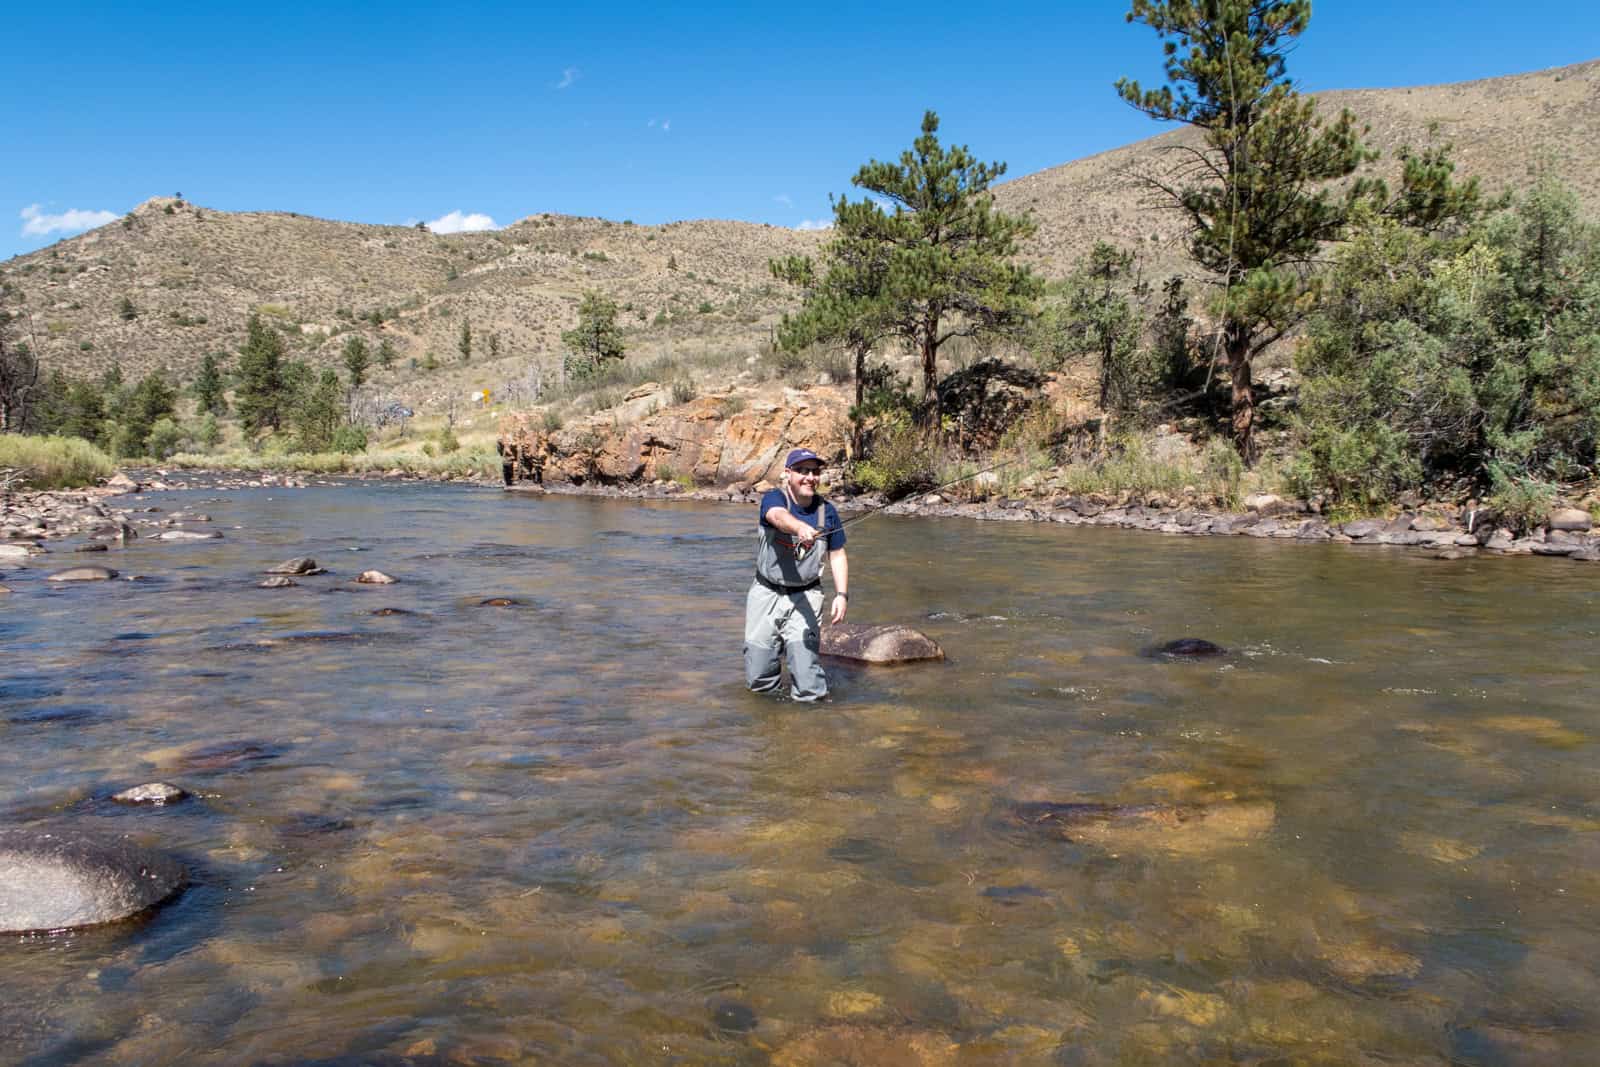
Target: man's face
803, 480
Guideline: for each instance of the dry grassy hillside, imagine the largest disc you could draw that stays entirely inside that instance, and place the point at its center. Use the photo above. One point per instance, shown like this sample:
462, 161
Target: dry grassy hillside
1502, 130
193, 275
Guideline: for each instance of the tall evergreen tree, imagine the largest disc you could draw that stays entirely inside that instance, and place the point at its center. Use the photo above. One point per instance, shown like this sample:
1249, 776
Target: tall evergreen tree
86, 412
1103, 318
846, 304
261, 396
386, 353
1255, 192
319, 412
208, 388
151, 399
596, 338
947, 253
356, 361
464, 342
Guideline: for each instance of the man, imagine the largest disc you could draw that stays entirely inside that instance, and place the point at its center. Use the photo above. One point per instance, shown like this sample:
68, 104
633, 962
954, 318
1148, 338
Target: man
783, 611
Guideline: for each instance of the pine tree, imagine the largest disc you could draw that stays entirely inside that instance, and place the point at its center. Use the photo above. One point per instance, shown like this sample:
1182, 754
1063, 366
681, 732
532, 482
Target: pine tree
126, 311
151, 400
356, 361
844, 304
1103, 318
386, 353
1255, 194
596, 338
208, 390
86, 412
319, 413
261, 395
946, 253
464, 343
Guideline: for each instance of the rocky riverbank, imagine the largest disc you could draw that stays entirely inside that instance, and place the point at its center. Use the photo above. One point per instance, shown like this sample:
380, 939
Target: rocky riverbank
1444, 531
117, 513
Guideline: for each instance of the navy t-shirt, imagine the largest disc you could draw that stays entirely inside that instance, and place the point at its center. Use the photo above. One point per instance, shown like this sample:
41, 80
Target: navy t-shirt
828, 519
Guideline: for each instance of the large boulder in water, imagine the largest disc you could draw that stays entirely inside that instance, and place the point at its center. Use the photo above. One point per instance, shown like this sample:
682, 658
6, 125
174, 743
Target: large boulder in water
878, 644
63, 879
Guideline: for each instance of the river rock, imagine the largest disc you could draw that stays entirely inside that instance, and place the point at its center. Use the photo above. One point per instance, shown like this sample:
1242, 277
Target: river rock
298, 565
65, 879
878, 644
93, 547
122, 483
375, 578
1573, 519
1267, 504
155, 794
277, 581
17, 551
1185, 648
83, 574
188, 535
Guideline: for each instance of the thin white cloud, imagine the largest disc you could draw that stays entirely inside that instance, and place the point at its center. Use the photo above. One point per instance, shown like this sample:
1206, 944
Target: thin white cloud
784, 199
815, 224
35, 223
569, 76
456, 222
666, 125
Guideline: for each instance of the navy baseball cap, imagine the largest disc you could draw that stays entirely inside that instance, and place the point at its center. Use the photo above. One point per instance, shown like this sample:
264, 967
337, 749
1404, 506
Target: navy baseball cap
800, 455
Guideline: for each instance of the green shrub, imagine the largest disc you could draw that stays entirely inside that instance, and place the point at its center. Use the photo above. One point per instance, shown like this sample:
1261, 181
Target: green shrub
682, 391
208, 432
349, 439
166, 437
1522, 503
448, 442
54, 462
898, 461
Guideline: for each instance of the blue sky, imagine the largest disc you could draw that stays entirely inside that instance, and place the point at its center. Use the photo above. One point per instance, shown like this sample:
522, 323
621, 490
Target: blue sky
399, 112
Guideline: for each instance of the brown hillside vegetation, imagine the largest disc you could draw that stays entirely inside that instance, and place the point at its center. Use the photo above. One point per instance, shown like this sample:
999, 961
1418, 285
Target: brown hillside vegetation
193, 275
1502, 130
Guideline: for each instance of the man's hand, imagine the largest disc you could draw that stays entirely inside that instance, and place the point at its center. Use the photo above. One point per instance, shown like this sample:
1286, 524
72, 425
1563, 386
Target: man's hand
840, 606
805, 535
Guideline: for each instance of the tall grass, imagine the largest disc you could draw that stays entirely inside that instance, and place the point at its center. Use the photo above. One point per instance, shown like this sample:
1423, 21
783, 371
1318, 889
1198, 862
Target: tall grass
54, 462
474, 462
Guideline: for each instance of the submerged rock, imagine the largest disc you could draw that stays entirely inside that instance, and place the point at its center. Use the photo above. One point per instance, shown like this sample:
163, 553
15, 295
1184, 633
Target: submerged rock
878, 644
1184, 648
189, 535
277, 581
298, 565
83, 574
499, 602
226, 755
62, 880
1189, 828
375, 578
152, 793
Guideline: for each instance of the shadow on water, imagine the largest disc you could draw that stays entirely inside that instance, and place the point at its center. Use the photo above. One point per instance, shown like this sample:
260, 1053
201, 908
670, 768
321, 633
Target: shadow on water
519, 807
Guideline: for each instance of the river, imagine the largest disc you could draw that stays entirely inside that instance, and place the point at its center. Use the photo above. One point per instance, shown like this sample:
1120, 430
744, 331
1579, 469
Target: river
560, 830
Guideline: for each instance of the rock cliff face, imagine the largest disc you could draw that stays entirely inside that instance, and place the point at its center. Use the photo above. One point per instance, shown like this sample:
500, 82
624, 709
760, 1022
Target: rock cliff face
719, 439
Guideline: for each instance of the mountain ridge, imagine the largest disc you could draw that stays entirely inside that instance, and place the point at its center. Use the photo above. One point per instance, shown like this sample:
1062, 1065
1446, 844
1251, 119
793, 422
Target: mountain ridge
192, 275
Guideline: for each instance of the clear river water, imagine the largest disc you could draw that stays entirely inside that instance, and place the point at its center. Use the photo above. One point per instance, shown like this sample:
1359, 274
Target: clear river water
560, 831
